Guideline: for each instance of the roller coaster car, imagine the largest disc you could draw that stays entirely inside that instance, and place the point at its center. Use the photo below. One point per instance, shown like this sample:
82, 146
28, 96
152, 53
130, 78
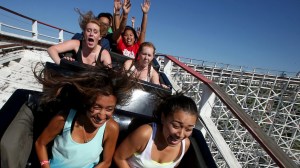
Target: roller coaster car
19, 143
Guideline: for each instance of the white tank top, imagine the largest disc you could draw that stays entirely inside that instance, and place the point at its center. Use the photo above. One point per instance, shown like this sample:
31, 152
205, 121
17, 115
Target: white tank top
148, 78
144, 159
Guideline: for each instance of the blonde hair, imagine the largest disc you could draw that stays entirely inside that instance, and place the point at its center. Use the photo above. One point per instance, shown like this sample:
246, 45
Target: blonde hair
145, 44
85, 18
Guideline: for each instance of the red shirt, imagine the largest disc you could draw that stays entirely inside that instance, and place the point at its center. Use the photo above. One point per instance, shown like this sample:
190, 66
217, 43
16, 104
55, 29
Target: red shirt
129, 51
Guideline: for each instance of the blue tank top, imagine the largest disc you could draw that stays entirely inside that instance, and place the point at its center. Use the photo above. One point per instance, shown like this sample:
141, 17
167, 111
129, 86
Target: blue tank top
69, 154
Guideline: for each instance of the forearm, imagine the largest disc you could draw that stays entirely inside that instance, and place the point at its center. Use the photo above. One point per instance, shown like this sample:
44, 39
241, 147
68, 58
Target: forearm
116, 20
142, 36
119, 31
103, 165
41, 151
54, 55
123, 21
122, 163
144, 22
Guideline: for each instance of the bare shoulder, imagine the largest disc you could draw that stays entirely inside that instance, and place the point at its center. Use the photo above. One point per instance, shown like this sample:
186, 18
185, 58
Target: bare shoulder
56, 124
140, 137
112, 125
105, 56
127, 64
154, 72
105, 52
111, 130
143, 131
60, 117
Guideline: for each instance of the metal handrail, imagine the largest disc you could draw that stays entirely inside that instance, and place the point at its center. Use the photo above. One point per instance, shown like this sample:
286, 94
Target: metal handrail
34, 31
29, 18
269, 145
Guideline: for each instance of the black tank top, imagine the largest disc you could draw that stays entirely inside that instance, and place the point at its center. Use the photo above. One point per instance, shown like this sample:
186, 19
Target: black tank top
78, 56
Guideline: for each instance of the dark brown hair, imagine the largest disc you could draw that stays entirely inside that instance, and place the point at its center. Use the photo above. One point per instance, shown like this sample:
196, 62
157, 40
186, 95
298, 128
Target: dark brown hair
80, 89
170, 104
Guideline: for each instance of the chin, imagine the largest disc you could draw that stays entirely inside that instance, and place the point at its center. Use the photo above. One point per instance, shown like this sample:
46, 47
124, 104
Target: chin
98, 124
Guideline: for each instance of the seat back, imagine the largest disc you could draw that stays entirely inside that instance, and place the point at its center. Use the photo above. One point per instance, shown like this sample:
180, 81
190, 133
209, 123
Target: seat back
137, 112
10, 109
198, 155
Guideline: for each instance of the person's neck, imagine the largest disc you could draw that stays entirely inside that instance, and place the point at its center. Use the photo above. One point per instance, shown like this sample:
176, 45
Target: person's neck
159, 139
86, 50
141, 68
85, 122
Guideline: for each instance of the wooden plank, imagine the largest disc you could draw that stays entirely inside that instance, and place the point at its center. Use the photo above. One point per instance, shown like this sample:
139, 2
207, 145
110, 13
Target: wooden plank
268, 144
220, 142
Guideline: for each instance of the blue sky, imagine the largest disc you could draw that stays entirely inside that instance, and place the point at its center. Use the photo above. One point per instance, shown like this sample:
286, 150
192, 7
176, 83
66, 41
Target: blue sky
252, 33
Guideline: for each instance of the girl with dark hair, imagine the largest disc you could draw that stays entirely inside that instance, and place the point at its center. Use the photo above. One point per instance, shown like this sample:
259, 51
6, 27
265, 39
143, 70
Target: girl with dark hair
125, 36
84, 128
163, 143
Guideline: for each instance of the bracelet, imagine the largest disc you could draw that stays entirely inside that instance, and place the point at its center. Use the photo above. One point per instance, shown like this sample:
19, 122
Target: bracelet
44, 162
117, 13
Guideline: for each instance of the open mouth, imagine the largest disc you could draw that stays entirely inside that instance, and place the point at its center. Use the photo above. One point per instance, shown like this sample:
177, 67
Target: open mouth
91, 40
98, 121
173, 141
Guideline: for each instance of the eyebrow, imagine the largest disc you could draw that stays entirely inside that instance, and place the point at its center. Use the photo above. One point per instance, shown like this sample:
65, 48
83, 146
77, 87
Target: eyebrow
183, 124
104, 107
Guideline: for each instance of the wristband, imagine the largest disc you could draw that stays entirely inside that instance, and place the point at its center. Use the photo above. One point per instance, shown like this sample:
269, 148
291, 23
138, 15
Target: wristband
44, 162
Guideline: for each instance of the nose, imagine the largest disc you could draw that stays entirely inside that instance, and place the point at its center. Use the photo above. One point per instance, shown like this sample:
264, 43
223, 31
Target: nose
91, 33
102, 114
181, 133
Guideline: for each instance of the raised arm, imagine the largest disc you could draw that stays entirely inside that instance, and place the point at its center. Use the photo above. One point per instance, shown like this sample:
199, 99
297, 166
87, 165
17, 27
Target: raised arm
55, 50
145, 8
50, 132
116, 14
126, 8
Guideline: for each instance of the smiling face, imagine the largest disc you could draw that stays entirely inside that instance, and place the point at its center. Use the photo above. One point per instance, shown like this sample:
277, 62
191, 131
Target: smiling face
128, 37
146, 55
102, 110
178, 126
92, 34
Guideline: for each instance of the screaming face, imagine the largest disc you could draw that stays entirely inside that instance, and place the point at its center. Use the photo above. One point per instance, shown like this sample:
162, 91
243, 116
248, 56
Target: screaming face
92, 34
178, 127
